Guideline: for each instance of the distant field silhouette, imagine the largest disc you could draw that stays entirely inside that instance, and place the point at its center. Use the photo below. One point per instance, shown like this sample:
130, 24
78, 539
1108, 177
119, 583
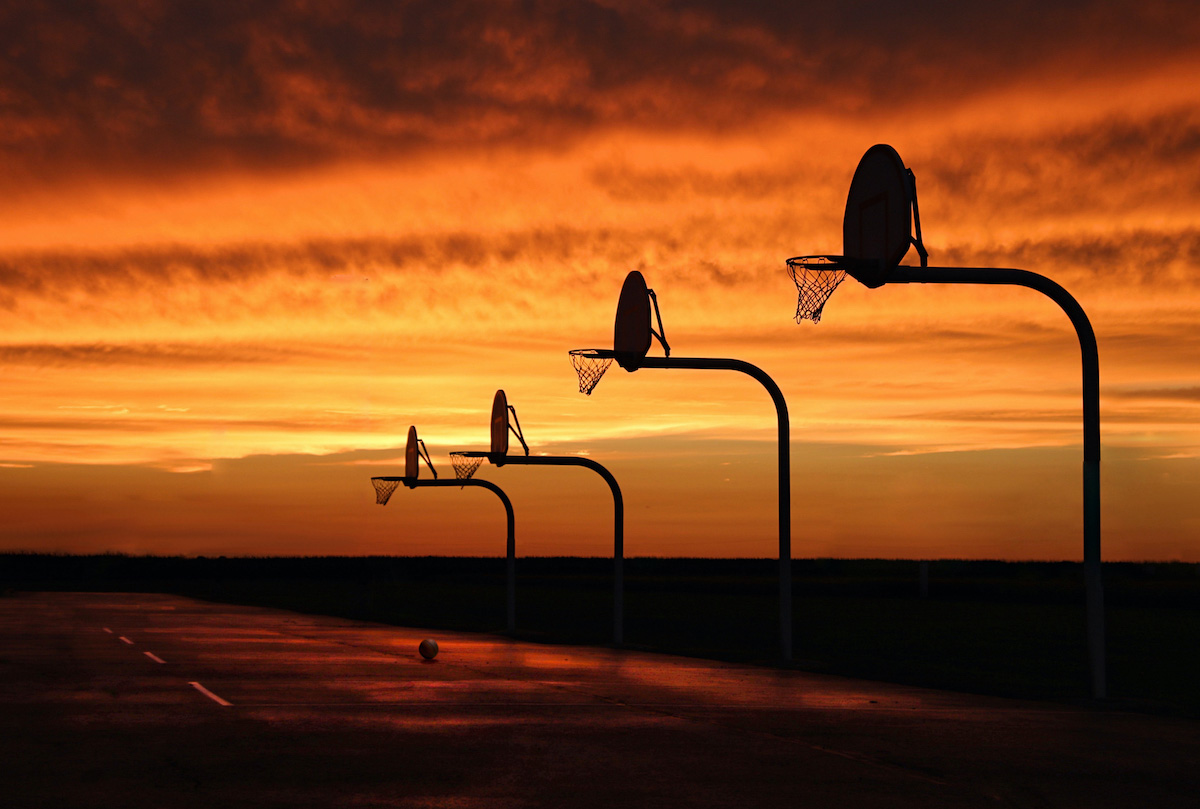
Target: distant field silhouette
1007, 628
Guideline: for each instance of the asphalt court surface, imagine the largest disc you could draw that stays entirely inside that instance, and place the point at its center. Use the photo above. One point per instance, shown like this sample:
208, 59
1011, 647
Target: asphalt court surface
136, 700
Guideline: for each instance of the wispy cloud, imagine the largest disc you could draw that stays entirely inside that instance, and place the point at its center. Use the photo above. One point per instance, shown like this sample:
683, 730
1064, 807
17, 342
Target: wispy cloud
176, 356
271, 83
1189, 394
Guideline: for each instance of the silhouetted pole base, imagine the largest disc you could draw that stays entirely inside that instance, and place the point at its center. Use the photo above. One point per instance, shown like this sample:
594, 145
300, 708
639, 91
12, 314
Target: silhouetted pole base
511, 545
785, 476
1091, 428
618, 523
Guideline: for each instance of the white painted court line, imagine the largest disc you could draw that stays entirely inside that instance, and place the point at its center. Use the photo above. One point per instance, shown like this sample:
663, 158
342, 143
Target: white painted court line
210, 695
109, 631
154, 657
127, 640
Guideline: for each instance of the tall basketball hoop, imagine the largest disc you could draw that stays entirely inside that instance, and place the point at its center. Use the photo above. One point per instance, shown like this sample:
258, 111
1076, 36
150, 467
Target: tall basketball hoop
877, 232
414, 454
633, 336
504, 422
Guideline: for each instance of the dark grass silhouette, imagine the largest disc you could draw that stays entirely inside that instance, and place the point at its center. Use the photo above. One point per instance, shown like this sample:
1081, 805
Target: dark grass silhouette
1006, 628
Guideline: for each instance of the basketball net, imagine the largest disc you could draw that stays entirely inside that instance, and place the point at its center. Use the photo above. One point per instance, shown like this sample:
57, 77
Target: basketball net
816, 278
464, 465
384, 488
590, 367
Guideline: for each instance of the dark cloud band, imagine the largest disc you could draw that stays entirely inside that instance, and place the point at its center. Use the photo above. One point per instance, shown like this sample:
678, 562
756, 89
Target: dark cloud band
269, 82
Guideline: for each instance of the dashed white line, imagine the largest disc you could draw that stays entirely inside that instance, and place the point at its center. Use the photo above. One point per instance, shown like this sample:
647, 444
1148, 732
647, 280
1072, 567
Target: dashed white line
109, 631
127, 640
154, 657
210, 695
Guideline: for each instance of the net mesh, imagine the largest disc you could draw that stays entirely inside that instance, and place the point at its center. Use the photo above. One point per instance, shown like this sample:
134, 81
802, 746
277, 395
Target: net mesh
465, 465
816, 278
590, 367
384, 489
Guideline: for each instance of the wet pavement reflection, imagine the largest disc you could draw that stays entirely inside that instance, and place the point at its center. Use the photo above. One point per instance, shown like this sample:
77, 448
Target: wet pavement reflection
275, 708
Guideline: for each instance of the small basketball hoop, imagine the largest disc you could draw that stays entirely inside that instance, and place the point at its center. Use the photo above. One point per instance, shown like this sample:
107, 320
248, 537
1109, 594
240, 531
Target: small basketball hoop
816, 278
384, 488
465, 463
590, 364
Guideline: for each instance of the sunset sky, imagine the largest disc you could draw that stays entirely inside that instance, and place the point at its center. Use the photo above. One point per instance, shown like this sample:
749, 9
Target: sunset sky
244, 246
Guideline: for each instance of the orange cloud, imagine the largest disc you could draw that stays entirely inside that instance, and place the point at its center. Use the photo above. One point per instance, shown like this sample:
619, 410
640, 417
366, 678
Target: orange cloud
273, 84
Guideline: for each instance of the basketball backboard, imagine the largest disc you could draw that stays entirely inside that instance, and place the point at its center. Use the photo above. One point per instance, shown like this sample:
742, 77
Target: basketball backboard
877, 227
504, 420
631, 330
500, 424
877, 230
414, 453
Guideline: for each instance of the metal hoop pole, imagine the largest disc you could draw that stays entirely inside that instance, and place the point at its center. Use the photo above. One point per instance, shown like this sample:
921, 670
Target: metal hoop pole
1093, 578
785, 476
618, 523
511, 549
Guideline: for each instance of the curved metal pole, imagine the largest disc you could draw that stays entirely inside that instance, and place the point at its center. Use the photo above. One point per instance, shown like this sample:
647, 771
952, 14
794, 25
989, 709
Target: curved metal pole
511, 550
1091, 427
785, 476
618, 522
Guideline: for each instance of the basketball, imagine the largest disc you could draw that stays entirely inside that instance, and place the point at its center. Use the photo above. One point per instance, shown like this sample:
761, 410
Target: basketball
428, 649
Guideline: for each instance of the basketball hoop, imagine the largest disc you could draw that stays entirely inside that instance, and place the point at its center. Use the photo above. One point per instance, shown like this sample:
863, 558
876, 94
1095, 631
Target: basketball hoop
882, 222
816, 278
590, 364
465, 464
384, 488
